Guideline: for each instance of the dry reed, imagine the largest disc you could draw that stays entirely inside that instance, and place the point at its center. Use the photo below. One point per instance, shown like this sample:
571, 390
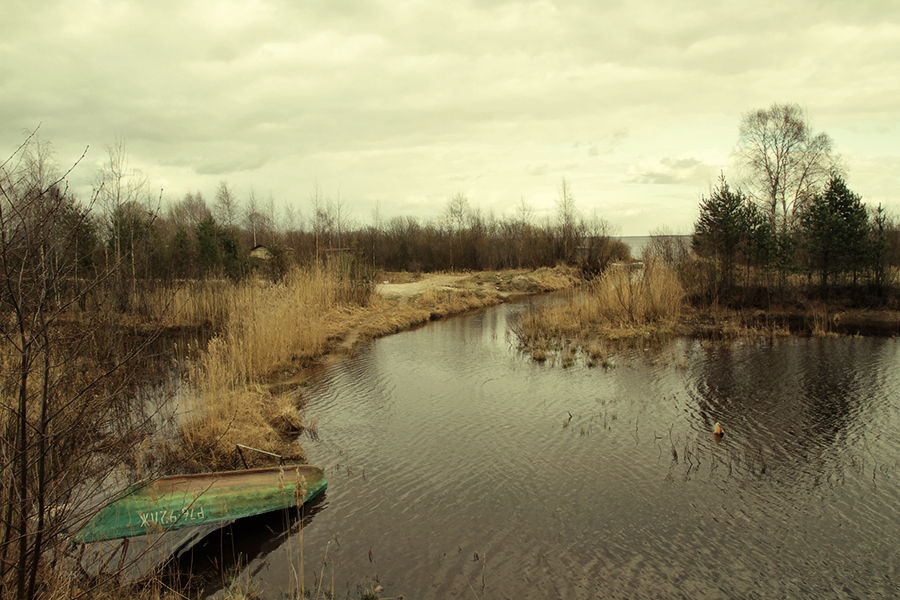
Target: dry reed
624, 303
270, 329
558, 278
270, 332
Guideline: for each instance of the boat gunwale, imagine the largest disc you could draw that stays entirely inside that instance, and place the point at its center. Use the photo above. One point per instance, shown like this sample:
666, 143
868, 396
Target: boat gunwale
192, 478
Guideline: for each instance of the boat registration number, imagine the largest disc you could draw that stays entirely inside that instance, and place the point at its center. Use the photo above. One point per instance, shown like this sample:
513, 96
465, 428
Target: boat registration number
169, 517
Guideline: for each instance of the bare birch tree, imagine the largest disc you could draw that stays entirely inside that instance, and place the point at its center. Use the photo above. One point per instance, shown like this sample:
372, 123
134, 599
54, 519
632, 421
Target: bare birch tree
457, 212
567, 216
122, 193
785, 160
253, 215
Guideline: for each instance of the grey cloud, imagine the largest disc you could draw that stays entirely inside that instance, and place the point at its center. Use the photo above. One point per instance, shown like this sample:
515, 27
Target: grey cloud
219, 159
680, 164
468, 178
656, 178
537, 170
613, 141
203, 87
228, 165
607, 145
671, 171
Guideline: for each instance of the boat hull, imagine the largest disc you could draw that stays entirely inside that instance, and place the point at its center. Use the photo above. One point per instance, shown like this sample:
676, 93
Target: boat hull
188, 500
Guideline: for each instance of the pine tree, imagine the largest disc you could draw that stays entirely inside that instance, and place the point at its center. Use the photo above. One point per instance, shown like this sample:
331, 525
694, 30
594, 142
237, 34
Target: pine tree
721, 228
835, 227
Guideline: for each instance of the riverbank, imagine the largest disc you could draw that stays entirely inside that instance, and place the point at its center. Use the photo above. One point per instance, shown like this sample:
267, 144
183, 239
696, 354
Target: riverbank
647, 303
271, 406
412, 415
415, 299
816, 321
244, 387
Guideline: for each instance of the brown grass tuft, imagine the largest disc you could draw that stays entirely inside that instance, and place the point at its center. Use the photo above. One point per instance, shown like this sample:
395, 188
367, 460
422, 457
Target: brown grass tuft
624, 303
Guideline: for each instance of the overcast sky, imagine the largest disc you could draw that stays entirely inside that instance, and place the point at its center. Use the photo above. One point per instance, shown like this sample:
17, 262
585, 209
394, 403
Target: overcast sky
401, 104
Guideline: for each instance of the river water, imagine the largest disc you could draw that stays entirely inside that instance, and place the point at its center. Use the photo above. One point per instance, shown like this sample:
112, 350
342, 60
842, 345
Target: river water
460, 468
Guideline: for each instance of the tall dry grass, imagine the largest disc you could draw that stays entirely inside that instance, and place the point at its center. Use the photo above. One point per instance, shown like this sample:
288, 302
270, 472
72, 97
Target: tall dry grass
270, 326
190, 303
431, 305
269, 332
635, 297
623, 303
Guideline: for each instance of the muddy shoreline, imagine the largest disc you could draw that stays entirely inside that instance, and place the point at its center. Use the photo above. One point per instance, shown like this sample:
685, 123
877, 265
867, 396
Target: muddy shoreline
704, 324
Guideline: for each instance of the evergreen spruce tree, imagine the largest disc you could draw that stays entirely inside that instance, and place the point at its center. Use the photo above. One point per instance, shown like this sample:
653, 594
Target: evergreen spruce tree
835, 230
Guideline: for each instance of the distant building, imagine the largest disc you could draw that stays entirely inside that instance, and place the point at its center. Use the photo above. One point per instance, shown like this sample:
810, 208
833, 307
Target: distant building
260, 252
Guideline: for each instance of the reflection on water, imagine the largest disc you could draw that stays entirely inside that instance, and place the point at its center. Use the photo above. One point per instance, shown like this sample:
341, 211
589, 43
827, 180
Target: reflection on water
229, 558
457, 466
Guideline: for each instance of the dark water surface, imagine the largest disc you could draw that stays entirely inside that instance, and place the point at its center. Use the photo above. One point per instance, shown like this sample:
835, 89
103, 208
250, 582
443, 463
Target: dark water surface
455, 471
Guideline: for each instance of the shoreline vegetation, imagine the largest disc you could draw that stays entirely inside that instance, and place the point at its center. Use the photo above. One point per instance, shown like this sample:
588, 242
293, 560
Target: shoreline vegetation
245, 385
647, 302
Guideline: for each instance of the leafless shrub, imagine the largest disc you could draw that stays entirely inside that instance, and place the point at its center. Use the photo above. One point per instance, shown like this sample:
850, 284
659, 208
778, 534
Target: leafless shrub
66, 423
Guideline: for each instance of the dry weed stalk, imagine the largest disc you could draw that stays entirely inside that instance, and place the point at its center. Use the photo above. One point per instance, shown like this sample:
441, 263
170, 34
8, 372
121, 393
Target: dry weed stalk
67, 427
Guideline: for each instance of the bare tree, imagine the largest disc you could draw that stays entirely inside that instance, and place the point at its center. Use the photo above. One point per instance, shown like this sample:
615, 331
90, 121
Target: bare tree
226, 205
598, 246
189, 212
292, 225
122, 193
524, 213
375, 231
785, 160
457, 212
253, 215
321, 217
457, 209
524, 223
270, 218
64, 423
668, 247
331, 220
116, 185
341, 217
567, 216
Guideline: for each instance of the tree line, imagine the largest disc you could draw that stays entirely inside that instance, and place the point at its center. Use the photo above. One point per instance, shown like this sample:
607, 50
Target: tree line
196, 237
794, 219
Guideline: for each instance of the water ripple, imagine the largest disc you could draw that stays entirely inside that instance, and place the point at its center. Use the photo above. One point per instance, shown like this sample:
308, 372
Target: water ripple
463, 467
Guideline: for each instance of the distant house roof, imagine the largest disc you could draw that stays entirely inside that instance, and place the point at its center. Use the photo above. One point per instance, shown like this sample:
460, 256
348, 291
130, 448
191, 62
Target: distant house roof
260, 252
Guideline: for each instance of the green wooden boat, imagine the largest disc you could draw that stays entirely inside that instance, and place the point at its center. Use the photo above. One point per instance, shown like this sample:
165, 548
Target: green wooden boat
189, 500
